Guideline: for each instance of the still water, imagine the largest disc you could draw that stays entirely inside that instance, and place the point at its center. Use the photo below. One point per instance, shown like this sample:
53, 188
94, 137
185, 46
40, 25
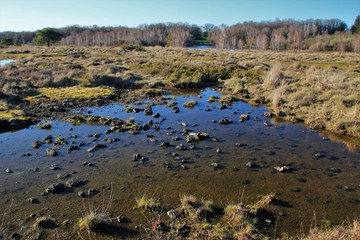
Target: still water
325, 180
4, 62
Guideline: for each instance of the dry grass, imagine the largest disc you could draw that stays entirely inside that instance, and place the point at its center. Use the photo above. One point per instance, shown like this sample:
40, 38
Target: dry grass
322, 89
343, 232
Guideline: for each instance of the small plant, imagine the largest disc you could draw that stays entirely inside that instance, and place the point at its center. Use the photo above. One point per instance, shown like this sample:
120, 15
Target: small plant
97, 220
59, 140
146, 204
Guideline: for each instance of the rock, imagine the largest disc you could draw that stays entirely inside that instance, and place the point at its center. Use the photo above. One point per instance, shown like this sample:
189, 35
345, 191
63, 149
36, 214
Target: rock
148, 111
256, 119
26, 154
268, 124
184, 124
160, 226
48, 139
63, 175
75, 182
175, 138
268, 114
173, 214
55, 188
319, 155
146, 127
8, 170
225, 121
81, 194
208, 109
54, 167
180, 147
251, 164
91, 192
45, 223
175, 110
123, 219
218, 150
36, 144
51, 152
215, 165
284, 168
14, 236
222, 107
33, 200
165, 144
111, 140
136, 156
96, 147
156, 115
73, 148
334, 170
244, 117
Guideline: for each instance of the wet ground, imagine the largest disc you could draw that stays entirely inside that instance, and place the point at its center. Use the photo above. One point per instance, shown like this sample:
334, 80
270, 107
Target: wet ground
324, 179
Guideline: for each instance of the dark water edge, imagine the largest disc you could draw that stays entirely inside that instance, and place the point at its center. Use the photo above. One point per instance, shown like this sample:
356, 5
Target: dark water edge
325, 179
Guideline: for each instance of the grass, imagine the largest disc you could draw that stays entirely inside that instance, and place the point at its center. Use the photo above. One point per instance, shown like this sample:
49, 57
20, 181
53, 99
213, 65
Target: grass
146, 204
350, 231
297, 85
96, 220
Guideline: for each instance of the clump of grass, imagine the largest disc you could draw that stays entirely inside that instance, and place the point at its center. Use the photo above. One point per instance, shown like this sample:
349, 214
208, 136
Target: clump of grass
46, 125
146, 204
59, 140
349, 231
96, 220
190, 104
273, 78
194, 209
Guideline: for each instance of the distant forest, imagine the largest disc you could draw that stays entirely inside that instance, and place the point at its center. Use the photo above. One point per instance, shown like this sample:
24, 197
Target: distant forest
318, 35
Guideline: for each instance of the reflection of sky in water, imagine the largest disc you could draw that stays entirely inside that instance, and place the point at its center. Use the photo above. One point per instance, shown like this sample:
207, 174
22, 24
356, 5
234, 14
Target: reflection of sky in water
321, 190
4, 62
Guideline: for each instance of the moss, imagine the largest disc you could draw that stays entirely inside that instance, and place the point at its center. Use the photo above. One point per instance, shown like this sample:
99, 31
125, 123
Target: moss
72, 92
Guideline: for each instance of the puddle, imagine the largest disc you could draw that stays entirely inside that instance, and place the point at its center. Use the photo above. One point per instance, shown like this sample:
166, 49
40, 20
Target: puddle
4, 62
324, 180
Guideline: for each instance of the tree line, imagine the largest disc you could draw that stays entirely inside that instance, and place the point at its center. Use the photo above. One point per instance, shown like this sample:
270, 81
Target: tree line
327, 35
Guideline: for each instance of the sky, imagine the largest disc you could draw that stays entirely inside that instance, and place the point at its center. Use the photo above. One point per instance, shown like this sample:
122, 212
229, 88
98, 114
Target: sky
31, 15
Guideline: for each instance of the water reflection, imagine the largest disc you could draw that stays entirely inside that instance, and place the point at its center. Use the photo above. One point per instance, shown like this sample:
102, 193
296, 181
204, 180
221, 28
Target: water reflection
4, 62
325, 176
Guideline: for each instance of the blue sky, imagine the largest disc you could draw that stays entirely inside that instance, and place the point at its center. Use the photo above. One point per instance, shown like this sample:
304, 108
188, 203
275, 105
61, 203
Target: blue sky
30, 15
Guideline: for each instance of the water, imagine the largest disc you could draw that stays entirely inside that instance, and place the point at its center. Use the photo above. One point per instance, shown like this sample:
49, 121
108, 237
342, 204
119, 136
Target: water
6, 61
325, 179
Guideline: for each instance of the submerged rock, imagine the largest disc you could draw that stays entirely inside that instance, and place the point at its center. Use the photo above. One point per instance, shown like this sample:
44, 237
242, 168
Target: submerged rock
96, 147
284, 168
268, 114
36, 144
251, 164
244, 117
225, 121
75, 182
51, 152
55, 188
